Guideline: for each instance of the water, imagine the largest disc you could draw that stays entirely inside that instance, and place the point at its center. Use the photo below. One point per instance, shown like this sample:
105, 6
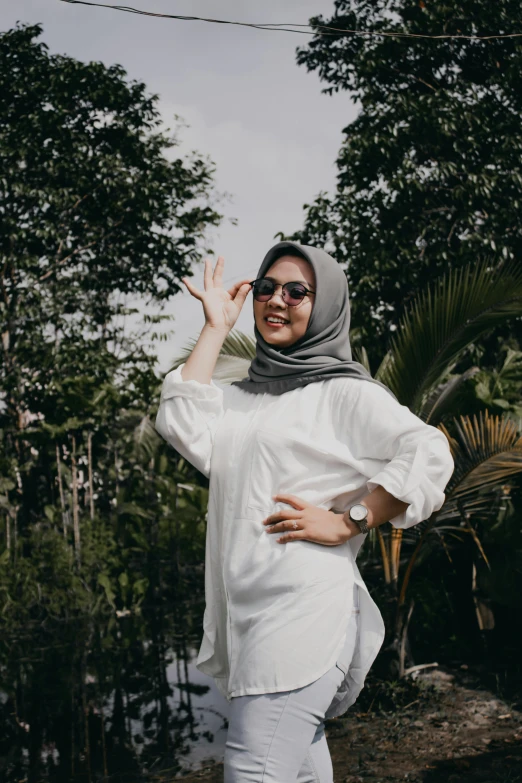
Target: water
117, 699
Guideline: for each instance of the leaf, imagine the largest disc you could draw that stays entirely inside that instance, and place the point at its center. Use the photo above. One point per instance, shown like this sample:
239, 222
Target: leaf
133, 509
230, 368
444, 319
487, 451
105, 582
236, 346
140, 587
146, 439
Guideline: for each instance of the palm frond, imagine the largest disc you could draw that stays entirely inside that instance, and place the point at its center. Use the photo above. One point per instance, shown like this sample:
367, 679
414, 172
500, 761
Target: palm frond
477, 541
486, 451
443, 398
443, 320
146, 439
360, 355
236, 344
184, 355
230, 368
240, 345
479, 508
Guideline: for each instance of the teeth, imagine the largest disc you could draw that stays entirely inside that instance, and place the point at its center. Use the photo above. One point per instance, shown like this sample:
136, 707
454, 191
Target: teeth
276, 320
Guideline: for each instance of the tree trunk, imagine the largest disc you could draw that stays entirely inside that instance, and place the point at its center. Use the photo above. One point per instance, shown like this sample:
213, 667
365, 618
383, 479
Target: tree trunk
76, 512
91, 488
65, 514
483, 612
395, 655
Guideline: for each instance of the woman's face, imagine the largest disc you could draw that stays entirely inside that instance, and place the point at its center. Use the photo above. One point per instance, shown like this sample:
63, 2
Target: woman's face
287, 269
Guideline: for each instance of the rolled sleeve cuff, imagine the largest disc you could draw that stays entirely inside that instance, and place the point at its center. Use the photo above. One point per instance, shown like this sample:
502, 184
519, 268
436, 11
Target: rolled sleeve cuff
417, 478
423, 497
175, 386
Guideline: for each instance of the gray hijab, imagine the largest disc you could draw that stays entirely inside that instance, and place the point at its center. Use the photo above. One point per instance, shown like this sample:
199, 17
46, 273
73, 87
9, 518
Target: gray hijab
324, 350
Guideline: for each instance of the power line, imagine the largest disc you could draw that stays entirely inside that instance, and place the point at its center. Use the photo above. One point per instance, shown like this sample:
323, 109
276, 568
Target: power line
246, 273
290, 27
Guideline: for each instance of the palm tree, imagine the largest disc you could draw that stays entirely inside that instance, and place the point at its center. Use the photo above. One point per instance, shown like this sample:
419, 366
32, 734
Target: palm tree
440, 324
234, 359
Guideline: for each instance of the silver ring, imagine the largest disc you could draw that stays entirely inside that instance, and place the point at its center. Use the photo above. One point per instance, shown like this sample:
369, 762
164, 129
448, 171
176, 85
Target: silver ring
295, 526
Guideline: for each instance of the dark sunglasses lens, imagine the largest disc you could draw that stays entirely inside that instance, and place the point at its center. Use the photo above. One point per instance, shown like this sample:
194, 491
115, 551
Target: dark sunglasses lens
294, 294
263, 290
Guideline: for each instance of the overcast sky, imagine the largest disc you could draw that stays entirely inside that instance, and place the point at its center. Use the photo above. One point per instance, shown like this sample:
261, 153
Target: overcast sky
262, 119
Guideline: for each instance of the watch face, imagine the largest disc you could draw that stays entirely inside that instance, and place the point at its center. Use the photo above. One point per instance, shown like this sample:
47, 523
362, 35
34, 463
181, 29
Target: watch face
358, 512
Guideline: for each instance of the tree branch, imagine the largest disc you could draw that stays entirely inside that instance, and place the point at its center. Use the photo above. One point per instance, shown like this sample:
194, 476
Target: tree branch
63, 261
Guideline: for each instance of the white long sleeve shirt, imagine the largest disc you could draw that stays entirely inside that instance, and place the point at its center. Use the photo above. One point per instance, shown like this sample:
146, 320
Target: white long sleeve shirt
276, 614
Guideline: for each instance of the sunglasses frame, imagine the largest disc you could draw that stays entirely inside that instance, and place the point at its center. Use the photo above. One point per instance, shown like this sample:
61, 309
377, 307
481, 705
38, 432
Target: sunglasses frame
283, 287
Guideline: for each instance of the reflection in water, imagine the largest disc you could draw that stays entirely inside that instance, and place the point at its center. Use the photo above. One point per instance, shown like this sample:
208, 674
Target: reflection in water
118, 698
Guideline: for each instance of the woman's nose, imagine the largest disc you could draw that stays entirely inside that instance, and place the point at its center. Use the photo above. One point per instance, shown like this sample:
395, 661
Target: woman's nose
279, 293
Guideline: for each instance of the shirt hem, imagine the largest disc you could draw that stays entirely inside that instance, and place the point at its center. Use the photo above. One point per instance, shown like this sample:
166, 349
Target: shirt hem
308, 680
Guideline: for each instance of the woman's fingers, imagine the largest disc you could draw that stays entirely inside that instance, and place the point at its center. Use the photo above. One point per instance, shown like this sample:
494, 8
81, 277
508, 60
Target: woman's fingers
218, 272
295, 535
207, 275
293, 500
239, 292
241, 295
235, 288
285, 526
214, 279
191, 288
278, 517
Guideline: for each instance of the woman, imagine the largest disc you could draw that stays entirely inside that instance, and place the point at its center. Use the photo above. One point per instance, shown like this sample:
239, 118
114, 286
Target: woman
304, 456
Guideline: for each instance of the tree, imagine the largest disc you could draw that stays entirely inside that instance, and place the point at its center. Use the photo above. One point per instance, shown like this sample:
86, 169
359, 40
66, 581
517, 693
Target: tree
94, 209
430, 171
90, 203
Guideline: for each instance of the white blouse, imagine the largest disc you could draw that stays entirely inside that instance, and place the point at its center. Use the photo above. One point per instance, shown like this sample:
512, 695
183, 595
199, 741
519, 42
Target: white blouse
276, 615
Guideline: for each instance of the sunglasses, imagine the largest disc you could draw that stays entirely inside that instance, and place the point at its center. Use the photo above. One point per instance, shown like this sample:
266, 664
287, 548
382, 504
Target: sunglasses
263, 289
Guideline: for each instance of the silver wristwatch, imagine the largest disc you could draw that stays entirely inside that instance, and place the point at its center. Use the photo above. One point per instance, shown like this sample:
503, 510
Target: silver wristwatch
358, 513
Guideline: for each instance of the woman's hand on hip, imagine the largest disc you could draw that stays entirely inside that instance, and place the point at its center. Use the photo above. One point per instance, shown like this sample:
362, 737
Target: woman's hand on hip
313, 523
221, 306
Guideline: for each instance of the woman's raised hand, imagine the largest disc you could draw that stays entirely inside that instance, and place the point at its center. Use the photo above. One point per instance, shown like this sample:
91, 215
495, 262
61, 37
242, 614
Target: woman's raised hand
221, 307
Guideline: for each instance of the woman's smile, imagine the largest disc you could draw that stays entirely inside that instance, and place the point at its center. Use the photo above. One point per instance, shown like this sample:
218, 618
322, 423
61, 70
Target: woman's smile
276, 321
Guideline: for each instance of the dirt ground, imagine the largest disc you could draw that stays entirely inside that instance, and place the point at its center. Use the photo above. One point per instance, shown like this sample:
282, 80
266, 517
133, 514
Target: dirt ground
451, 730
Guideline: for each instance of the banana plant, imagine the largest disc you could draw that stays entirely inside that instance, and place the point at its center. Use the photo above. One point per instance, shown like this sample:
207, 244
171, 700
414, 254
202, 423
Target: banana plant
441, 322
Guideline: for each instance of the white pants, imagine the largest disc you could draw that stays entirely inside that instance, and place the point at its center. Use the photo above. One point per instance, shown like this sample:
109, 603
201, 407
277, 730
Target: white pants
279, 737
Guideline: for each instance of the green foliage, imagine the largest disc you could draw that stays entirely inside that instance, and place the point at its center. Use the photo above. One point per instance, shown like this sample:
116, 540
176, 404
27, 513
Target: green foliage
429, 173
440, 323
156, 532
102, 524
501, 582
95, 208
